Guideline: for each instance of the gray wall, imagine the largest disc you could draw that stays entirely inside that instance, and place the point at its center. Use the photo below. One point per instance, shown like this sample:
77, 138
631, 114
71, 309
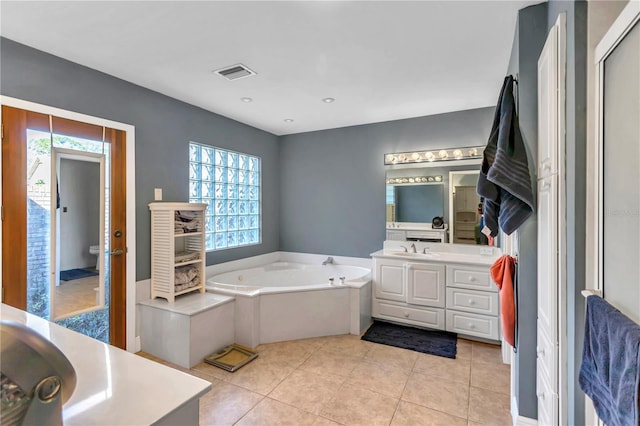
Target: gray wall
164, 128
80, 225
529, 39
332, 181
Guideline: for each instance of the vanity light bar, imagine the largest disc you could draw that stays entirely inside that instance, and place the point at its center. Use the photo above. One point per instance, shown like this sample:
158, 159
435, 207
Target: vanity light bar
472, 152
414, 179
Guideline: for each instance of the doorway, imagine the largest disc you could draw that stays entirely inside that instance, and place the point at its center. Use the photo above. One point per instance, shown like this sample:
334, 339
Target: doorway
33, 212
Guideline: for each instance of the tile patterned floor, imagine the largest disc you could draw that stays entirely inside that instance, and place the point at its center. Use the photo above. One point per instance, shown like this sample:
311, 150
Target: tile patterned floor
342, 380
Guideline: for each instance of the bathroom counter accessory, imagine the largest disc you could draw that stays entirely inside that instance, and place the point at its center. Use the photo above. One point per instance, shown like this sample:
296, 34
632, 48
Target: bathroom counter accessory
177, 249
115, 387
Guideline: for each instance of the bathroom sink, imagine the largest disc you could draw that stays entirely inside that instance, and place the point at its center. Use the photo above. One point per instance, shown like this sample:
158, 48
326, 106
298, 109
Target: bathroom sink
415, 255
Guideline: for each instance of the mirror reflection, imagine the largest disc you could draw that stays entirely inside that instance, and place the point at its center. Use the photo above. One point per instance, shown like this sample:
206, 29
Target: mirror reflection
79, 231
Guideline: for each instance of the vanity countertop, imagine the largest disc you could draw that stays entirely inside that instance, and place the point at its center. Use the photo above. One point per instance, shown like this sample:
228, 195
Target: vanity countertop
447, 253
114, 387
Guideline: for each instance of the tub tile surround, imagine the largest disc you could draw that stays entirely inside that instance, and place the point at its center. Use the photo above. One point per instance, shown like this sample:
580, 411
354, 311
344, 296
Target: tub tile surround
316, 389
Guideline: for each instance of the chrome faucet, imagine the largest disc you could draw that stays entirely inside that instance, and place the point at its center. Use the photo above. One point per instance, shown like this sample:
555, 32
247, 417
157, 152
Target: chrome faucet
329, 260
413, 247
405, 249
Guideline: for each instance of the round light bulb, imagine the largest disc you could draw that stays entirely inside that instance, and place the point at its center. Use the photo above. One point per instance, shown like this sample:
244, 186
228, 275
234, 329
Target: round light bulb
443, 154
415, 156
457, 153
389, 158
473, 152
430, 156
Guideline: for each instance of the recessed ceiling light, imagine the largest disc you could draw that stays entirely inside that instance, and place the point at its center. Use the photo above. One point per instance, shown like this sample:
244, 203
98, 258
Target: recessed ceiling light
328, 100
288, 120
246, 100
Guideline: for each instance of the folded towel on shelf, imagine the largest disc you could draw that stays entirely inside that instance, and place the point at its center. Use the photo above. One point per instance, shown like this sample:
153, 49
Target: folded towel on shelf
186, 221
502, 273
504, 179
610, 369
185, 274
186, 256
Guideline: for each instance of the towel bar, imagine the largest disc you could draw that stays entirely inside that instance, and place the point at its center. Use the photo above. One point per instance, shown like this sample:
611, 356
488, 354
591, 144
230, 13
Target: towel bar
587, 293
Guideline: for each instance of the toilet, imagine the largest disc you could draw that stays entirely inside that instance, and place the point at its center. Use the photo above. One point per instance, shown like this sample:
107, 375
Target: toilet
96, 251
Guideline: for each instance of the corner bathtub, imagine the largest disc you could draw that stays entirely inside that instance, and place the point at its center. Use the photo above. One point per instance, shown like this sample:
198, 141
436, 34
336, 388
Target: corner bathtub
286, 300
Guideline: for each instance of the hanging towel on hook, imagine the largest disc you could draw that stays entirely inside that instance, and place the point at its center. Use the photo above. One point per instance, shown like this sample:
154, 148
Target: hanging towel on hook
504, 179
503, 273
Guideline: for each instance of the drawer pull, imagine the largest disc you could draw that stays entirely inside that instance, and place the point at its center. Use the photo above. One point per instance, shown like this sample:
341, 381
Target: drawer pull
471, 278
472, 302
472, 326
406, 314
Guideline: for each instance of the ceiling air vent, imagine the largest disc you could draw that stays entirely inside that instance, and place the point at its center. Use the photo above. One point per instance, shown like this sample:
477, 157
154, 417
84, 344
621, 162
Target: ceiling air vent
235, 72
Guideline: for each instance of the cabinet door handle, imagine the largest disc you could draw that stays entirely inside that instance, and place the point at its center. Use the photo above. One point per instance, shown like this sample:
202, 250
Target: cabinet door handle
540, 395
472, 302
540, 352
116, 252
472, 278
406, 314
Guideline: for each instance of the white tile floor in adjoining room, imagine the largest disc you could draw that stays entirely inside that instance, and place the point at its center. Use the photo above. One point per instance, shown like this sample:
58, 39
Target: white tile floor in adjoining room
342, 380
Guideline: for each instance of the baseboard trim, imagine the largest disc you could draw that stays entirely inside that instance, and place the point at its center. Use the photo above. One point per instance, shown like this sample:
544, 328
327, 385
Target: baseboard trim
526, 421
519, 420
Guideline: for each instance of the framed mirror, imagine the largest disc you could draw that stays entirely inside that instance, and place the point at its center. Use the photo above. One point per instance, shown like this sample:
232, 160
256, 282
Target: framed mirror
416, 193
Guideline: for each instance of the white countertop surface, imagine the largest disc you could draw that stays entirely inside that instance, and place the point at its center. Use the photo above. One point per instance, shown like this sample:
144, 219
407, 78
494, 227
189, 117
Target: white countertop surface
439, 252
114, 387
189, 304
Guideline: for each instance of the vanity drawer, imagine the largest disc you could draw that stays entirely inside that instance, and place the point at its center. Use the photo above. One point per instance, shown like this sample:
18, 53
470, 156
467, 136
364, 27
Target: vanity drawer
473, 324
469, 276
479, 302
428, 317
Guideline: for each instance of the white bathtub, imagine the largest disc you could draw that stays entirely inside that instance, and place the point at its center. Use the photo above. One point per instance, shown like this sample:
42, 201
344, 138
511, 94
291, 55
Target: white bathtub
281, 277
286, 300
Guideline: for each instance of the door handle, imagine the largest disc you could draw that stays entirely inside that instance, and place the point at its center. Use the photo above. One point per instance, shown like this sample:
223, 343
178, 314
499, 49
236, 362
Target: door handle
116, 252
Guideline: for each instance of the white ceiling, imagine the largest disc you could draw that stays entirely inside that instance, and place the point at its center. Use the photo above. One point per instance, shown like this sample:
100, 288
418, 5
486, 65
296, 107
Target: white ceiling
381, 61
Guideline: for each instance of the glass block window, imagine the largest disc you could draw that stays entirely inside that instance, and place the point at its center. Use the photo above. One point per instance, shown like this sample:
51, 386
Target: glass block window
229, 183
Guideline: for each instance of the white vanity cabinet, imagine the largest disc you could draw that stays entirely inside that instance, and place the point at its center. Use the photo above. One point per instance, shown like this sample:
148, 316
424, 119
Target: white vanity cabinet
391, 284
409, 292
472, 302
436, 292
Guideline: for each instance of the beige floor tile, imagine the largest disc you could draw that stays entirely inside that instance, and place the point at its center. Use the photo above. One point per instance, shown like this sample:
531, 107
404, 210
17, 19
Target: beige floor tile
271, 412
484, 352
463, 349
442, 395
225, 404
260, 375
385, 379
210, 370
389, 355
330, 362
444, 368
412, 415
291, 353
347, 344
489, 408
357, 406
470, 423
307, 390
495, 377
322, 421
